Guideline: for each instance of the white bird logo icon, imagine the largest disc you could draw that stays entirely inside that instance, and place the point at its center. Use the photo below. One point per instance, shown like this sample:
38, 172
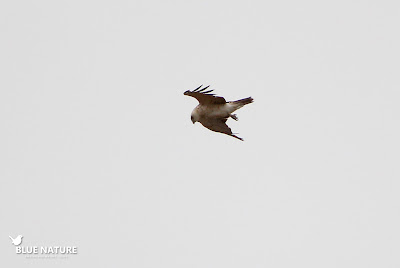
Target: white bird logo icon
17, 241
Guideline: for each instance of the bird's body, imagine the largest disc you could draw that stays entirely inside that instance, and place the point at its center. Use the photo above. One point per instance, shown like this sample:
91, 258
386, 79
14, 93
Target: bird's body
205, 111
212, 111
215, 110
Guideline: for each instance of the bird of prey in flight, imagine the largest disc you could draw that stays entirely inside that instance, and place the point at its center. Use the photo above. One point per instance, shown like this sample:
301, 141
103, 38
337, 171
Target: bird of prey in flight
213, 111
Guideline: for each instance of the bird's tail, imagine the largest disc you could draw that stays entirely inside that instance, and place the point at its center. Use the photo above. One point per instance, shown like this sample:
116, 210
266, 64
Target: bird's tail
244, 101
240, 103
12, 239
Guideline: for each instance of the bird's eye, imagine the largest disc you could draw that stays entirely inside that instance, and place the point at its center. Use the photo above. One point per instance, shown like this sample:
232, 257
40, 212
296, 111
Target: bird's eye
191, 118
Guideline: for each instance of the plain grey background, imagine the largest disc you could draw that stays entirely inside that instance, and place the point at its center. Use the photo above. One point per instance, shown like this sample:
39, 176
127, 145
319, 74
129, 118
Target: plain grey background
98, 150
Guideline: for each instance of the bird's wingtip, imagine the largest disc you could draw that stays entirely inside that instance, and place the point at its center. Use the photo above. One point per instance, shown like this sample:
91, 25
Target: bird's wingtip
239, 138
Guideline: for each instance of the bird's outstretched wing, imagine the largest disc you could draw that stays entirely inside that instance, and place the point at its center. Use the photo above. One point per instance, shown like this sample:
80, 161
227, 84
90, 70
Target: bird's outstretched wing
219, 125
204, 97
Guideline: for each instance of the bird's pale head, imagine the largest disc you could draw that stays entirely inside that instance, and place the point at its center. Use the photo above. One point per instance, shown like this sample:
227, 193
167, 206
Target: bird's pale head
194, 117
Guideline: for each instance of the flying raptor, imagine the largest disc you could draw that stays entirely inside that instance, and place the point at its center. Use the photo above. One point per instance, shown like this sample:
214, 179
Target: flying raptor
213, 111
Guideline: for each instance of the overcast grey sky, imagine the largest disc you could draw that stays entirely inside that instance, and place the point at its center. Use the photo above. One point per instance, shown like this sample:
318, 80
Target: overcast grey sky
98, 150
